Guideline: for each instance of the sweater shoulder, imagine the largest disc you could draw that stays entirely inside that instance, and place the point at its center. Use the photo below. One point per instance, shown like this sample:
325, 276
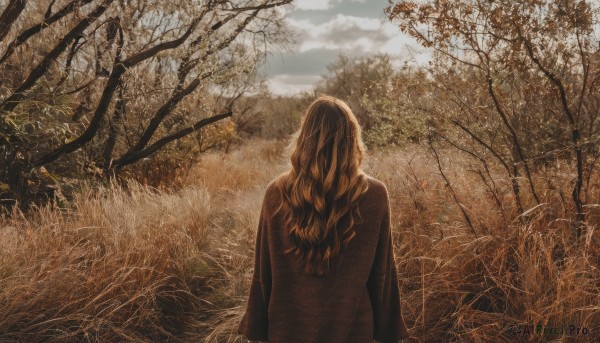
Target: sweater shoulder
273, 195
377, 188
274, 185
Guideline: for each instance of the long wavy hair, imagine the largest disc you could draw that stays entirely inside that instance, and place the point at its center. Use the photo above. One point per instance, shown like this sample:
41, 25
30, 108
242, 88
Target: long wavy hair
321, 191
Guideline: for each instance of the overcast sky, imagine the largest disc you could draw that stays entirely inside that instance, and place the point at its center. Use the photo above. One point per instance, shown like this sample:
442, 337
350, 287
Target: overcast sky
324, 29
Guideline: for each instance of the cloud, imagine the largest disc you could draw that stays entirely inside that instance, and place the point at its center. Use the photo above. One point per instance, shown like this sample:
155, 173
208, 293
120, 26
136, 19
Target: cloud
332, 34
325, 29
319, 5
286, 84
300, 63
313, 5
350, 33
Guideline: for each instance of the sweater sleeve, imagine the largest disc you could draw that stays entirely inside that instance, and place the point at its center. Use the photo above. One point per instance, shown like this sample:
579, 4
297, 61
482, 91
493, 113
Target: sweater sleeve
383, 287
254, 323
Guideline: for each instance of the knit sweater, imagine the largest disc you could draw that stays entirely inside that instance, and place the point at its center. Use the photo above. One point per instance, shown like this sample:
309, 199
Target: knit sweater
358, 302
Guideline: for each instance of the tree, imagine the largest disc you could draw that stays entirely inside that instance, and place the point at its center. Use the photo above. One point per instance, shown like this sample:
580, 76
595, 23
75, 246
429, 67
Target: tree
351, 79
105, 83
521, 78
378, 94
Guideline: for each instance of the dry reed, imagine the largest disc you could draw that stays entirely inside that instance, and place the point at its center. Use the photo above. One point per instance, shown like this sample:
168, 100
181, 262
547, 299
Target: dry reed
138, 264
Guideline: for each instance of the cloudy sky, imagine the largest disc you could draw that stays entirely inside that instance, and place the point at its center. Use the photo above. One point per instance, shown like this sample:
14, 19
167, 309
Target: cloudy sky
324, 29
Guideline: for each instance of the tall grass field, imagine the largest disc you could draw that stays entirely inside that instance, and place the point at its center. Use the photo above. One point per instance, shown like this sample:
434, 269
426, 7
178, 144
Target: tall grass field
131, 263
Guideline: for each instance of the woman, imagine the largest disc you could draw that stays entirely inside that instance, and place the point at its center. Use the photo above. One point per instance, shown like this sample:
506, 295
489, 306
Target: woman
324, 268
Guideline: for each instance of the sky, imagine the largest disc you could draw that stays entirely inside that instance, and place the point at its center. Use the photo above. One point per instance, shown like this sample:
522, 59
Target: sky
325, 29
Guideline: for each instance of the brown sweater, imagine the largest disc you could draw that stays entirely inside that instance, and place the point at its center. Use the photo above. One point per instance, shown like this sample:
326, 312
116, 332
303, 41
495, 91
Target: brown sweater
359, 300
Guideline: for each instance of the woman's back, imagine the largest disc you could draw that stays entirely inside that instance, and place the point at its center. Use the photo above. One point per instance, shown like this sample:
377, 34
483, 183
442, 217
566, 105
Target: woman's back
357, 302
324, 266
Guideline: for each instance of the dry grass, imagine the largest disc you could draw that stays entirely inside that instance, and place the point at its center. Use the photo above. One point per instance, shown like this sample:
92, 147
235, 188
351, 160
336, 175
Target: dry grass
139, 264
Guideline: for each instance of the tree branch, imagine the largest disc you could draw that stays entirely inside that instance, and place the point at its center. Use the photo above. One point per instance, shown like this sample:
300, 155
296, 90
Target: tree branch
48, 20
454, 196
139, 154
40, 70
575, 134
10, 14
513, 135
260, 7
113, 82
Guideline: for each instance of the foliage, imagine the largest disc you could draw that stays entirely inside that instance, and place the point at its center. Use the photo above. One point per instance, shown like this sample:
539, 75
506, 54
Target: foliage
519, 80
91, 87
351, 79
382, 97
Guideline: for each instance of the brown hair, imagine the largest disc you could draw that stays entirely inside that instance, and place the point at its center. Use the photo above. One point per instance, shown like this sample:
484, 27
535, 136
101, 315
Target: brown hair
324, 185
